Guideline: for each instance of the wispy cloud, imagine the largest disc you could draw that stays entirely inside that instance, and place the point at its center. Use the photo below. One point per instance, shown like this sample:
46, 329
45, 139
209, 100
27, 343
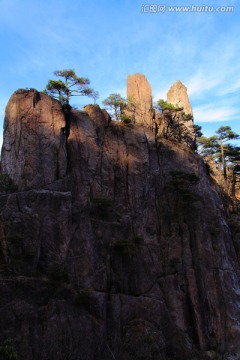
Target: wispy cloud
201, 83
162, 94
2, 114
215, 71
3, 103
211, 113
232, 87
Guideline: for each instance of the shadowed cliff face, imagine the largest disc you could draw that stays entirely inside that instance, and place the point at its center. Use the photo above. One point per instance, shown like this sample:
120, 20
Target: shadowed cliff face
34, 151
126, 257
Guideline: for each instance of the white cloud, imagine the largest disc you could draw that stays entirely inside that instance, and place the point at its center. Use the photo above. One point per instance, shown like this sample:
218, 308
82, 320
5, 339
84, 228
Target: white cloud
2, 111
232, 87
215, 70
162, 94
3, 104
212, 113
122, 91
200, 84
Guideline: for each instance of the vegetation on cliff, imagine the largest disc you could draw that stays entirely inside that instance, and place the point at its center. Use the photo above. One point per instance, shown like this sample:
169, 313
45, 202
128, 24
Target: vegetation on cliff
115, 103
219, 149
71, 85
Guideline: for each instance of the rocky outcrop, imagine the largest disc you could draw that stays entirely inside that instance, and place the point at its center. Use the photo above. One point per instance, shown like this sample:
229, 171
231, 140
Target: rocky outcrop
139, 94
174, 125
177, 95
34, 149
127, 257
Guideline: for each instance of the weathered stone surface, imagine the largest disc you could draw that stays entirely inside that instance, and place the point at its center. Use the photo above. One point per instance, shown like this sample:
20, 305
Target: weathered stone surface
177, 95
34, 151
100, 117
139, 93
36, 229
175, 126
150, 266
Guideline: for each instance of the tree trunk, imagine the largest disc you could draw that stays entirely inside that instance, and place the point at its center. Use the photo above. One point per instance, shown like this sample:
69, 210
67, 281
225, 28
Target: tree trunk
223, 159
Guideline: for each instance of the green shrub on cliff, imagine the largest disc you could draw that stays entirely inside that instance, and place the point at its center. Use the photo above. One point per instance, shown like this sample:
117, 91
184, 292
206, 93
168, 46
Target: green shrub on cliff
124, 247
57, 272
7, 351
6, 183
125, 119
183, 180
101, 207
164, 105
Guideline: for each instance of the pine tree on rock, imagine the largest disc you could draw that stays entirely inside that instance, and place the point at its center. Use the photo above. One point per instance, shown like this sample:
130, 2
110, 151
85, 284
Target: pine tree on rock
71, 85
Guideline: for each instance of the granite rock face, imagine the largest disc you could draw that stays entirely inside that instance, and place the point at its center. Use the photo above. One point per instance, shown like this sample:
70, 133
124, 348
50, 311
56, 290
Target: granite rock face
34, 149
139, 95
37, 229
127, 257
175, 126
177, 95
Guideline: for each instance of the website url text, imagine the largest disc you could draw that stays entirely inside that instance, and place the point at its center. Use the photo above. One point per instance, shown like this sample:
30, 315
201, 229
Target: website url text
155, 8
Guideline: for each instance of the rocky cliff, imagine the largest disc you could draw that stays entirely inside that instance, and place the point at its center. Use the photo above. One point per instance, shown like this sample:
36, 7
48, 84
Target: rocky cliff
34, 150
170, 123
139, 94
122, 254
177, 95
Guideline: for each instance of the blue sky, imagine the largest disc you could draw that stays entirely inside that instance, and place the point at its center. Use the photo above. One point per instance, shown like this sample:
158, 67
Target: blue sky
107, 40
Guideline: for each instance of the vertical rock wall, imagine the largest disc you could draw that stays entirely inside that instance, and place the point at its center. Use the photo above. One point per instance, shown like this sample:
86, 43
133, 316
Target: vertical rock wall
34, 144
177, 95
139, 93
